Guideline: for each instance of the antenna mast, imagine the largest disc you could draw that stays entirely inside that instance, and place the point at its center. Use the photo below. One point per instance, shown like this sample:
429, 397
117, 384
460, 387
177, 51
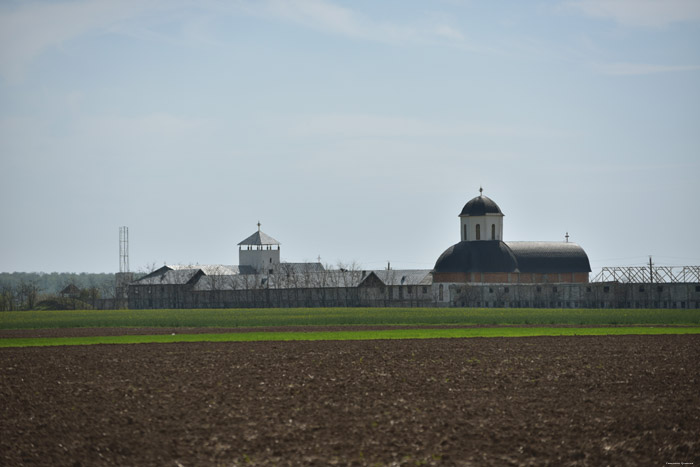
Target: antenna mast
123, 249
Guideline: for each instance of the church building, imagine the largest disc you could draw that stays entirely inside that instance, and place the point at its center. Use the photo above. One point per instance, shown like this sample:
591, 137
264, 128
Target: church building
481, 255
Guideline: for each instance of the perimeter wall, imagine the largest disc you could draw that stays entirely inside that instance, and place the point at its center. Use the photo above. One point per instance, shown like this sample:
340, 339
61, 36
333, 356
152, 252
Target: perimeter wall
500, 295
186, 296
564, 295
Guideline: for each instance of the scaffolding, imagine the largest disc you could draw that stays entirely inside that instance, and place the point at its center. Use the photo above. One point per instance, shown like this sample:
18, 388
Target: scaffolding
649, 274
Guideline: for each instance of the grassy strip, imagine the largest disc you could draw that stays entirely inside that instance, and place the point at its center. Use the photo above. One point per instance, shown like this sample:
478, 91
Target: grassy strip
342, 316
345, 335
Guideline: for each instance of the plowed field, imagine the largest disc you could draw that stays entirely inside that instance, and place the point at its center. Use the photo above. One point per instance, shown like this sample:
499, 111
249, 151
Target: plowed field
624, 400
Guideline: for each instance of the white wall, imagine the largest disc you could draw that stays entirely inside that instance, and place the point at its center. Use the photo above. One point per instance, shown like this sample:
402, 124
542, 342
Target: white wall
485, 221
261, 260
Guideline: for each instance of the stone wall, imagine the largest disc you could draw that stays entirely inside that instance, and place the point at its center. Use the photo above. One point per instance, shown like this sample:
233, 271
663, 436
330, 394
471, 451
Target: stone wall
501, 295
184, 296
567, 295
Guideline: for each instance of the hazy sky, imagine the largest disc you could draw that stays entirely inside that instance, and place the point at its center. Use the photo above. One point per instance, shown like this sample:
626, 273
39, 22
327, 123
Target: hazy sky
353, 130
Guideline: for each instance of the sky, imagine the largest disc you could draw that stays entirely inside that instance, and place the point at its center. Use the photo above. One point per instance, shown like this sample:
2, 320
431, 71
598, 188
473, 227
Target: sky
354, 131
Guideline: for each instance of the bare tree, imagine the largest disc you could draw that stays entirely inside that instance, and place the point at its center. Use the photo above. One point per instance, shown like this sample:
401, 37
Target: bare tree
28, 293
217, 277
467, 295
107, 290
352, 276
286, 279
7, 298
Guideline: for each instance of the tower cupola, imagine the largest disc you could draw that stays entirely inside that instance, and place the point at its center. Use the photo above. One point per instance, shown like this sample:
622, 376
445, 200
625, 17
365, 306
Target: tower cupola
259, 251
481, 219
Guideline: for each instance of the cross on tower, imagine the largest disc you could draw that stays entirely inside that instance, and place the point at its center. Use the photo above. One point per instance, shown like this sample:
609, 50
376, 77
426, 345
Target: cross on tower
481, 190
258, 226
567, 237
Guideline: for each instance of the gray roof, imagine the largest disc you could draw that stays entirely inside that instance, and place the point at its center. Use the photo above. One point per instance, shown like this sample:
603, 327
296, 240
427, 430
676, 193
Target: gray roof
170, 277
156, 272
259, 238
172, 274
404, 276
298, 268
235, 282
550, 257
479, 206
308, 279
207, 269
324, 279
498, 256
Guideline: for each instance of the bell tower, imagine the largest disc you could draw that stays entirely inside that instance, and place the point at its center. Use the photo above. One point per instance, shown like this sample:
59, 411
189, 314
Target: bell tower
259, 251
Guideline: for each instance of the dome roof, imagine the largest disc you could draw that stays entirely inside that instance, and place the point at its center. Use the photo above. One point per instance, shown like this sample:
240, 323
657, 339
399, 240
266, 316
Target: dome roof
524, 257
482, 256
480, 206
546, 257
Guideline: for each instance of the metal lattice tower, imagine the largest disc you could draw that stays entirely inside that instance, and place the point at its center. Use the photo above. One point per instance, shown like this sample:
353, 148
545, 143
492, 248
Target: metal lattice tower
123, 249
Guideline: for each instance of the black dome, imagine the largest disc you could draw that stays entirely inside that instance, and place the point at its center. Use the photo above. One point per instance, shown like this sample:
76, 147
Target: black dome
524, 257
545, 257
481, 256
479, 206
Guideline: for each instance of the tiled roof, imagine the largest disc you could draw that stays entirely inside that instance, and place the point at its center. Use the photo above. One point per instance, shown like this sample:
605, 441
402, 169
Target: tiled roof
259, 238
298, 268
170, 277
404, 276
324, 279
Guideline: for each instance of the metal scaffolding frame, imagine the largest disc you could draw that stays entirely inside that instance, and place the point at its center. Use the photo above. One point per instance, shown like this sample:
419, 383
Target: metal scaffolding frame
649, 274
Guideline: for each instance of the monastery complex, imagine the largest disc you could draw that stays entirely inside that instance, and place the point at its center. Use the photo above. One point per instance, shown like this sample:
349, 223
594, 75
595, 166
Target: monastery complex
480, 270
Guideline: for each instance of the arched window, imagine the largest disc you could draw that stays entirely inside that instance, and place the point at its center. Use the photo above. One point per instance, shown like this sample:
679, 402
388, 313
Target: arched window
478, 231
464, 237
440, 292
493, 231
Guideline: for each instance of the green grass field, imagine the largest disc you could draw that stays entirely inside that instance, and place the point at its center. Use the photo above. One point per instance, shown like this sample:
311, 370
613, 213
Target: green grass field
343, 316
348, 335
541, 319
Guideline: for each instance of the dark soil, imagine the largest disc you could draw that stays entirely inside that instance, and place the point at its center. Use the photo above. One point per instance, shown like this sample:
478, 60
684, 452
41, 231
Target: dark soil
623, 400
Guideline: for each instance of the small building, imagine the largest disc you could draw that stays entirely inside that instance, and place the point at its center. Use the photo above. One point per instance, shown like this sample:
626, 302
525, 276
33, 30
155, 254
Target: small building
70, 291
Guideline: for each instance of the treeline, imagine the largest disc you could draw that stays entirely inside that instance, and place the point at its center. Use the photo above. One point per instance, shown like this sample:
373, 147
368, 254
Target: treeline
26, 290
54, 282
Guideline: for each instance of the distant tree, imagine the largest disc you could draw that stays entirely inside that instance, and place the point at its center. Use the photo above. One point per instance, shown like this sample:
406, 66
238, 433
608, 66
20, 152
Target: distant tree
218, 278
7, 297
107, 289
27, 294
90, 295
351, 276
